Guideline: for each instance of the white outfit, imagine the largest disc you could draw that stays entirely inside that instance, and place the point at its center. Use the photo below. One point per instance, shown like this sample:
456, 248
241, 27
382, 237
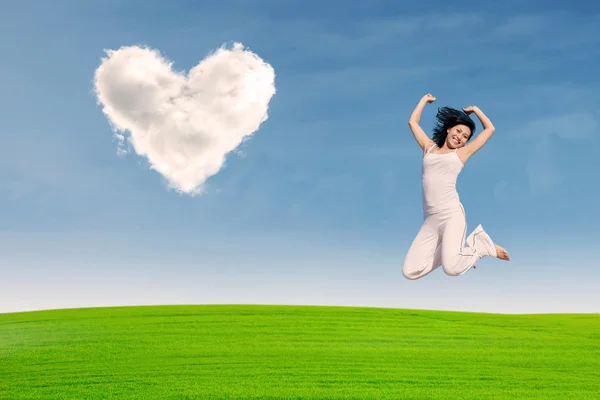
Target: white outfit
441, 239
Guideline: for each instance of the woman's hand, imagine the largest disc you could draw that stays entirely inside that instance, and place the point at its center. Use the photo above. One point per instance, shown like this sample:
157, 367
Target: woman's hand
470, 109
428, 98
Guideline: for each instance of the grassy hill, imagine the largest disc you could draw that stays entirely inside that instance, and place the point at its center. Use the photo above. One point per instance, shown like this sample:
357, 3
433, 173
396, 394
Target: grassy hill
288, 352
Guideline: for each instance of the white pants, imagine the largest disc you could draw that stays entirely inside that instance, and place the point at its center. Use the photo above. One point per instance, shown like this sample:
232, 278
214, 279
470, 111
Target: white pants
441, 242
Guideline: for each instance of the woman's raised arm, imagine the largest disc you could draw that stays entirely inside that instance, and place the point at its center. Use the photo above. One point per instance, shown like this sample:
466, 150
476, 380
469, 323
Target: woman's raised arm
420, 136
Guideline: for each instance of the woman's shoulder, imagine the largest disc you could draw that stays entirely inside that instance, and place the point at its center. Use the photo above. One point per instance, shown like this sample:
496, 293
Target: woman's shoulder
430, 146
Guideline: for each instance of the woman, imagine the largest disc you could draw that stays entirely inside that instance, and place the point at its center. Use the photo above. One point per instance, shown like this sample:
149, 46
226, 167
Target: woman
441, 239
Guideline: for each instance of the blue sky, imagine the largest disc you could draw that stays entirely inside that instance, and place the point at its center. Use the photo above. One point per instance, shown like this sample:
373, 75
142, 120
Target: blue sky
325, 200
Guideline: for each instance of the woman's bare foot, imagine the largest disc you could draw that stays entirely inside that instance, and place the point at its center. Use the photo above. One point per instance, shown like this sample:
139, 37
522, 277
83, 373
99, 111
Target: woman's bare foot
501, 253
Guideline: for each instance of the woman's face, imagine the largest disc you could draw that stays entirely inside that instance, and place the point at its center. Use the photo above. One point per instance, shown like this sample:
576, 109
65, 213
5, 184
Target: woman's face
458, 136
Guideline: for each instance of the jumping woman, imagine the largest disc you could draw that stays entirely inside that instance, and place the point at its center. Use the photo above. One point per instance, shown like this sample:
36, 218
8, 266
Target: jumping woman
441, 239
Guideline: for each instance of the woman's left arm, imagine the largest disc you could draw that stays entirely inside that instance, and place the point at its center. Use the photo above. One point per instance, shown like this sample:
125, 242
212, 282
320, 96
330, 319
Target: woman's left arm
484, 136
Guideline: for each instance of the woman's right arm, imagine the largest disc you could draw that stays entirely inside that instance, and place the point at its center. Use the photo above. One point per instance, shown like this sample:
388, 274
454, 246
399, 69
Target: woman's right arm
413, 122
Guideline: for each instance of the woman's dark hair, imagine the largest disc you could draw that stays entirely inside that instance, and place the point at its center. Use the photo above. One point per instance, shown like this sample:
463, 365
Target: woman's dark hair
446, 118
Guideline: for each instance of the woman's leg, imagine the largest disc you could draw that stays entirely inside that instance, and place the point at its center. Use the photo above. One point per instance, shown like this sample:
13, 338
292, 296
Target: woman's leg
424, 253
458, 257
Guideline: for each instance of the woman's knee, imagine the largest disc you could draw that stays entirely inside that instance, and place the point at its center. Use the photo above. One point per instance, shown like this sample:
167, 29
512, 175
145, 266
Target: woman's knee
412, 273
452, 266
453, 270
416, 267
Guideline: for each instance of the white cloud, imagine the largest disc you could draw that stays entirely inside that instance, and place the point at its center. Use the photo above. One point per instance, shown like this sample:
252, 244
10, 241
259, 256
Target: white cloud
574, 125
522, 25
184, 125
501, 190
543, 175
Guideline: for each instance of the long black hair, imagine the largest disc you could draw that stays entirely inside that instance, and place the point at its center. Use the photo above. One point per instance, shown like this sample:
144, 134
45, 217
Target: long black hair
446, 118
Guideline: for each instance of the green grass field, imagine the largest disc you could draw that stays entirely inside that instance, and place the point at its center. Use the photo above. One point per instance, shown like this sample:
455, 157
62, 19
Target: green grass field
288, 352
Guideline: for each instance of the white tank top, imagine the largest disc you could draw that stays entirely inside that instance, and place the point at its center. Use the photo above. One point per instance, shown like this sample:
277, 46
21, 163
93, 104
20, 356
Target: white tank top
440, 172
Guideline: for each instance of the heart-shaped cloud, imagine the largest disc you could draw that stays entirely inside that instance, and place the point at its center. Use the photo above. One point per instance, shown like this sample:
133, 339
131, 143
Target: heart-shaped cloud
184, 125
